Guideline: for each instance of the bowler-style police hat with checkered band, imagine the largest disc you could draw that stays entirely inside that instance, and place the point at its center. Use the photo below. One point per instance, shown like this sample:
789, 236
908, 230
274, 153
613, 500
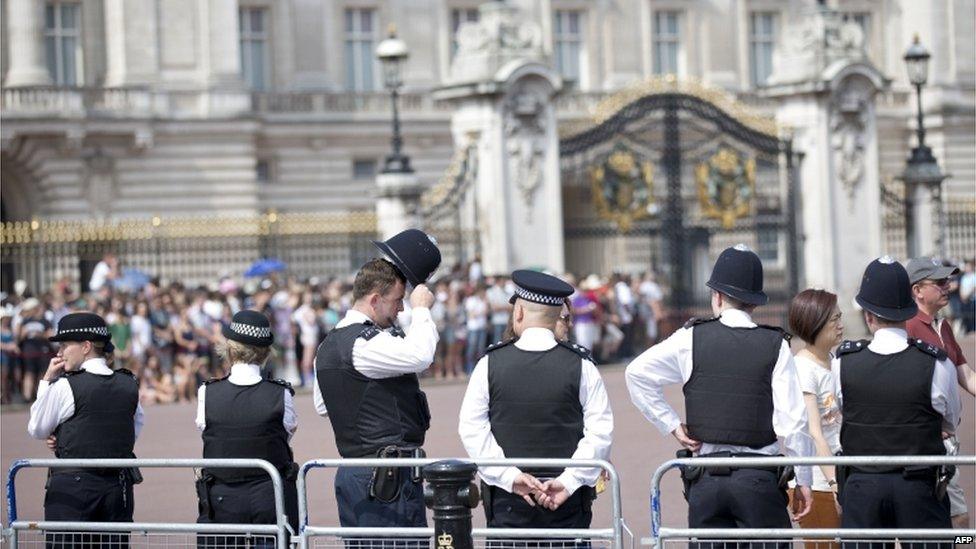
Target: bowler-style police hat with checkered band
250, 328
82, 327
540, 288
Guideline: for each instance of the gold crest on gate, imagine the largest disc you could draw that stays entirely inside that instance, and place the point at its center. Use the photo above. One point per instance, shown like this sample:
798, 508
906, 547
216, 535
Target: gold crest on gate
622, 188
726, 186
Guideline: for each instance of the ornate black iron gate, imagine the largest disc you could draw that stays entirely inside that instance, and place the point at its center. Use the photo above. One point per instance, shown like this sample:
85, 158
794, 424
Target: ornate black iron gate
670, 175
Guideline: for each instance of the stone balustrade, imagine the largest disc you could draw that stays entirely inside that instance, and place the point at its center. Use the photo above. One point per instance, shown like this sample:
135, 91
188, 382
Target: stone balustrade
71, 103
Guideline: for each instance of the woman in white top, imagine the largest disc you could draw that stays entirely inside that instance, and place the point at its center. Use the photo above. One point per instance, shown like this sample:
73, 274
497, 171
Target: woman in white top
815, 318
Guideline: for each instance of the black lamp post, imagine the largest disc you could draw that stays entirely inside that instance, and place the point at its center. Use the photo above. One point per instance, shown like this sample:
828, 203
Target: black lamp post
392, 53
922, 168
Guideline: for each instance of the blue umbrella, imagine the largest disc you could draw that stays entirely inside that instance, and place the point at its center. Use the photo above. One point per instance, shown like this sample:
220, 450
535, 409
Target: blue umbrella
264, 267
131, 280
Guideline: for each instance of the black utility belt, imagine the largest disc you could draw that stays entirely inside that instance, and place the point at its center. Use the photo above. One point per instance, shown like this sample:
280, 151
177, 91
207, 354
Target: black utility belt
393, 452
97, 471
725, 470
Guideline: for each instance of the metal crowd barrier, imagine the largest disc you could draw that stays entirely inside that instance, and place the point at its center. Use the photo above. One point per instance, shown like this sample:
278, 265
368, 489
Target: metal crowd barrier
22, 533
485, 538
664, 537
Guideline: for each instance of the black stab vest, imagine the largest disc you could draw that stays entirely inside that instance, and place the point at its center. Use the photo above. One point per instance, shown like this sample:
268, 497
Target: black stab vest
888, 403
534, 405
245, 422
729, 396
368, 414
103, 425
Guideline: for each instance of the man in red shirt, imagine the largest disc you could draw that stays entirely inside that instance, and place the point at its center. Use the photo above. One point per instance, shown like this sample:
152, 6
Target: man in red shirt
930, 288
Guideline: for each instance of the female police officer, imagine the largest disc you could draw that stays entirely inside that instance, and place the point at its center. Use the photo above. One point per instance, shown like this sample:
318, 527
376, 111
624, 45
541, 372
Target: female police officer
92, 412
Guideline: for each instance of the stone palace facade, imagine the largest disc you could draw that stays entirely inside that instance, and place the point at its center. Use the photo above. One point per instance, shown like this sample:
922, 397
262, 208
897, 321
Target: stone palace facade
156, 109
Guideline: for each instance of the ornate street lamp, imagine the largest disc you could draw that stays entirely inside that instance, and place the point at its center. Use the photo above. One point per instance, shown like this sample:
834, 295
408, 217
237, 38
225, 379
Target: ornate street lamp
922, 168
392, 54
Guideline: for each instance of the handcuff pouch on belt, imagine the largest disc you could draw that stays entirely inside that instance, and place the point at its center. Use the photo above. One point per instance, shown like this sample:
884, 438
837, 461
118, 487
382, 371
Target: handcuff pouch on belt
204, 482
385, 484
689, 473
945, 474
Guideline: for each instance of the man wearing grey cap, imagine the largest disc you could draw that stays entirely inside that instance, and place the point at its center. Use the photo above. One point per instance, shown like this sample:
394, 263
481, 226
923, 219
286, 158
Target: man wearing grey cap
930, 290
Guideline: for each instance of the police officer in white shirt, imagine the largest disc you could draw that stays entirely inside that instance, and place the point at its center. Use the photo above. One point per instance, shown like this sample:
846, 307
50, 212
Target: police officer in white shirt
366, 383
898, 396
245, 416
741, 393
92, 412
536, 397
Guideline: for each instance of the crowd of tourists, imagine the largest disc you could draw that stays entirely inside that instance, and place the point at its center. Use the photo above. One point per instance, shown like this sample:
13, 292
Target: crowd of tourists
167, 332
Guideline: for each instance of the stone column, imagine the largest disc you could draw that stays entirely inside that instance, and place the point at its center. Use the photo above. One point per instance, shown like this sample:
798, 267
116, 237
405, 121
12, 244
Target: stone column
503, 93
825, 89
222, 35
25, 24
397, 203
131, 42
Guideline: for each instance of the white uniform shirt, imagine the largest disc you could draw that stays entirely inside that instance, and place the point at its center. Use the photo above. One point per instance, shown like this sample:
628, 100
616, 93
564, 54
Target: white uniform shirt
387, 355
55, 402
670, 363
945, 392
243, 375
474, 425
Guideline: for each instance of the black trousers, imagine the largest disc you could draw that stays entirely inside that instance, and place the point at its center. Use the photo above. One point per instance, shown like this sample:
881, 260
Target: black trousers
87, 496
743, 498
892, 500
507, 510
357, 508
245, 502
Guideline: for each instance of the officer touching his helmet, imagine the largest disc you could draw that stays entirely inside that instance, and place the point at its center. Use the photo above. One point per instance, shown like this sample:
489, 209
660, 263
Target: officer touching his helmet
741, 393
245, 416
366, 383
898, 396
92, 412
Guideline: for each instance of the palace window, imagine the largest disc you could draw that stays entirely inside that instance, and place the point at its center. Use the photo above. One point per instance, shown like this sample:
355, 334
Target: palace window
360, 25
62, 42
254, 35
568, 44
364, 168
667, 41
762, 40
459, 16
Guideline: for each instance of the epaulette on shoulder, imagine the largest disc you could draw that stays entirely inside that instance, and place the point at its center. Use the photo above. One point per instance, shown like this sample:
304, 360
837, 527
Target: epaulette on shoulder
582, 351
369, 331
928, 348
786, 335
848, 347
215, 379
70, 373
125, 371
499, 344
695, 321
283, 383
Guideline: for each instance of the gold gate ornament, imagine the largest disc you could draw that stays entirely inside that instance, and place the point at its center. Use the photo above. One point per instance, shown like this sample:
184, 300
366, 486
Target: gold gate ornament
622, 188
726, 186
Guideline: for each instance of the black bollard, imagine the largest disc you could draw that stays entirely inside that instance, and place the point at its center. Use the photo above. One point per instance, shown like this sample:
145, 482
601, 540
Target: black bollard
451, 494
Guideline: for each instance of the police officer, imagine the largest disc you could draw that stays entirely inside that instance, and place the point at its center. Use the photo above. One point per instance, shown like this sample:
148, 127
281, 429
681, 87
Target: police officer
366, 383
537, 397
92, 412
898, 396
244, 415
741, 393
